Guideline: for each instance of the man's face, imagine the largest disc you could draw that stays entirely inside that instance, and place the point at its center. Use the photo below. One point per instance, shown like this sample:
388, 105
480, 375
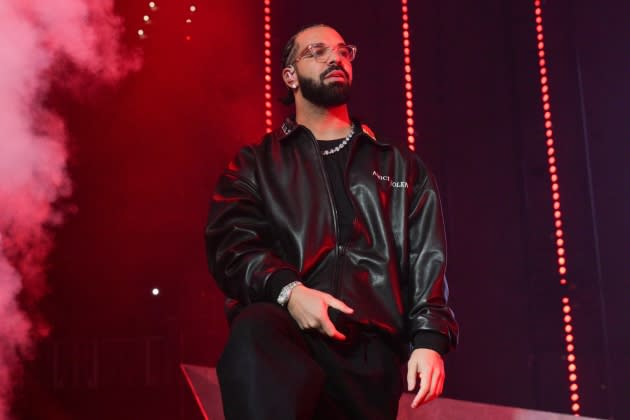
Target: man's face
325, 84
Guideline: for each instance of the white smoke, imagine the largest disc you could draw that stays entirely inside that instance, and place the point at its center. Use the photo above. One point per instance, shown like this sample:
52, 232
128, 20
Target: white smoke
36, 38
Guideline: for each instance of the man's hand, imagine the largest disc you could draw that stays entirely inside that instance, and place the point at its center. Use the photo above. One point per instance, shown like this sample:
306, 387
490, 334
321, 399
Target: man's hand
309, 308
429, 366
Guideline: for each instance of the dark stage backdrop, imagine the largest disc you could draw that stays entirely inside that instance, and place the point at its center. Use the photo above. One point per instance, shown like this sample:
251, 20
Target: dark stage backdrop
147, 153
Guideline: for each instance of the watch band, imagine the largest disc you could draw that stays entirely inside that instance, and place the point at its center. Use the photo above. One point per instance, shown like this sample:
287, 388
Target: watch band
285, 293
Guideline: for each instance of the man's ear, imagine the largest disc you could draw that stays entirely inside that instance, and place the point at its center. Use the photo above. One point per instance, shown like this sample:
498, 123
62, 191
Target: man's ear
289, 76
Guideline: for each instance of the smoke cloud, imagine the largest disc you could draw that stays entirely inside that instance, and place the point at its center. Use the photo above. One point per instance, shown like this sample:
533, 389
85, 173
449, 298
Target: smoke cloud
37, 38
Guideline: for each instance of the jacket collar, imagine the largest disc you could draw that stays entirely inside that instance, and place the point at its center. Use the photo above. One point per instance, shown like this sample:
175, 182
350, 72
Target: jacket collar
289, 126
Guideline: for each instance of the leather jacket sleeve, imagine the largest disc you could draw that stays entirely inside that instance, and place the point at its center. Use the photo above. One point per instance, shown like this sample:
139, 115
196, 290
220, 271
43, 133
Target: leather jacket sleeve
239, 240
428, 312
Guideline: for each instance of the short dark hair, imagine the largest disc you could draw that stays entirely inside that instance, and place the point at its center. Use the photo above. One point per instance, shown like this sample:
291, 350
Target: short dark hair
288, 55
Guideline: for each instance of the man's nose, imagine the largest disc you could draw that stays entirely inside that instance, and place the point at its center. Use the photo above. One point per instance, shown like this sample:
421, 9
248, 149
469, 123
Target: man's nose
334, 57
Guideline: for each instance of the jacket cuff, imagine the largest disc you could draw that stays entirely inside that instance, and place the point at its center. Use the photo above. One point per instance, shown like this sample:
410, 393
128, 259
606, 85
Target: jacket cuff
277, 281
431, 340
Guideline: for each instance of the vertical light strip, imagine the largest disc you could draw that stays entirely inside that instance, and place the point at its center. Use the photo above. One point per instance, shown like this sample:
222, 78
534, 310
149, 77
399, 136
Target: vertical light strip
557, 214
268, 114
411, 138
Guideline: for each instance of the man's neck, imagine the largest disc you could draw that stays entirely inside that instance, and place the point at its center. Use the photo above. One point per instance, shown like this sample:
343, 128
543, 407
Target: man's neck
325, 123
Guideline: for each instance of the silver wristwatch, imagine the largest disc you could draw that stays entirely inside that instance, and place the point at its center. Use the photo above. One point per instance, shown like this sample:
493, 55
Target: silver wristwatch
285, 293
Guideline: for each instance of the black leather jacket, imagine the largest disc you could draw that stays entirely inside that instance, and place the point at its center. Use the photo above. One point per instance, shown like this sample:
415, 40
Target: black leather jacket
273, 212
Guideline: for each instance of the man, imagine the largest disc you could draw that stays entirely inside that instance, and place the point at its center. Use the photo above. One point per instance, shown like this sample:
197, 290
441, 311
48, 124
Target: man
329, 245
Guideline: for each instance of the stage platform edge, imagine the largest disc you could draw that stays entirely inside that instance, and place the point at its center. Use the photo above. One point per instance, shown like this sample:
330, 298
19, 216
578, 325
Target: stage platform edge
204, 385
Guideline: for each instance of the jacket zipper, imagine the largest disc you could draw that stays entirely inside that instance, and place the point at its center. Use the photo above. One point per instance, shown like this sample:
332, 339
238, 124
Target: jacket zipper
331, 201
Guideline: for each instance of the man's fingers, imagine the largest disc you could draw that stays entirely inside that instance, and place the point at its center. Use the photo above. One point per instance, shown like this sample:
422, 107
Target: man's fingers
329, 329
337, 304
412, 370
440, 386
425, 383
435, 383
422, 392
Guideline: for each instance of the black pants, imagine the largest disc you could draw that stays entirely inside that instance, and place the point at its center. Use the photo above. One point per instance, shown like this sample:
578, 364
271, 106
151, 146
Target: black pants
270, 369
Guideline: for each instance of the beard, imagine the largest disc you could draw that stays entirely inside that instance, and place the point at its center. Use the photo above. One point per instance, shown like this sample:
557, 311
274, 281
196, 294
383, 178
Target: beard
325, 95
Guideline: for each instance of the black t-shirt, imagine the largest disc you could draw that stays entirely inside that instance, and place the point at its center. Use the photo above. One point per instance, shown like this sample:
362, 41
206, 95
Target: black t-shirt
335, 164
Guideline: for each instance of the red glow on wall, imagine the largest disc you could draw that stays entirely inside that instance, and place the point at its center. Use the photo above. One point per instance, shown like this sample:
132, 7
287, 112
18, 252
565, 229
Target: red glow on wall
557, 213
267, 65
411, 138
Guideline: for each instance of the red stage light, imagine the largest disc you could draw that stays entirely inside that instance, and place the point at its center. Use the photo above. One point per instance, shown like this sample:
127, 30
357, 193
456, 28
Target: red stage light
267, 64
407, 70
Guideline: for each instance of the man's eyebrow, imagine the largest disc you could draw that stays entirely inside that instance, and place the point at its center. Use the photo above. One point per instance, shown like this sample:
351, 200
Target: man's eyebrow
322, 44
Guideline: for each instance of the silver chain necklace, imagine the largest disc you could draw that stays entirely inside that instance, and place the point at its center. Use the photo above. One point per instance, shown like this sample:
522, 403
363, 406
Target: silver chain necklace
340, 146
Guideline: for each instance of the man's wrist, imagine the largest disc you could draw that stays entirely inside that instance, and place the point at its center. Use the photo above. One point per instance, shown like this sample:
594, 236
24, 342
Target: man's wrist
285, 293
277, 281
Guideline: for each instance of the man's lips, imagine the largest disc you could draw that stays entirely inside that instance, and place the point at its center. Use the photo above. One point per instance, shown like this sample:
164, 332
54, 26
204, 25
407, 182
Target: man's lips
336, 73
